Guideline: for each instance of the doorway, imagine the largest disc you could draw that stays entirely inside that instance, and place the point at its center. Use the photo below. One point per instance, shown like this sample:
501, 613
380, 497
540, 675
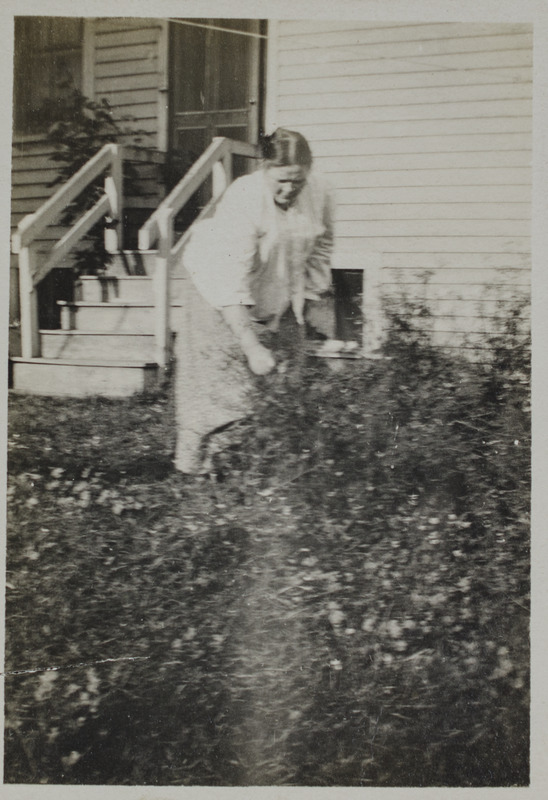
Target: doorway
216, 89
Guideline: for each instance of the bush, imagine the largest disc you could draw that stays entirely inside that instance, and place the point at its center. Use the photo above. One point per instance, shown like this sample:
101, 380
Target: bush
421, 422
82, 127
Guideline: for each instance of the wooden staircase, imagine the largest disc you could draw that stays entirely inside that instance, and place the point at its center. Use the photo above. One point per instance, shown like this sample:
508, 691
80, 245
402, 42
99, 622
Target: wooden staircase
106, 343
117, 334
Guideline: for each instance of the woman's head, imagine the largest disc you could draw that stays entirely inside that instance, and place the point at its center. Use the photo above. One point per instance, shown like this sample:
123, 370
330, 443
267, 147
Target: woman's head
287, 159
286, 148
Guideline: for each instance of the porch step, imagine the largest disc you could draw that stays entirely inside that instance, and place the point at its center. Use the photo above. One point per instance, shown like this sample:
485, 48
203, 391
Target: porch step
133, 262
97, 345
106, 346
115, 317
83, 377
141, 263
127, 288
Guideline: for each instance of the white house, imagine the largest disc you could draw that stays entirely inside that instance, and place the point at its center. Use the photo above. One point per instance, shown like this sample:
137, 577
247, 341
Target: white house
424, 130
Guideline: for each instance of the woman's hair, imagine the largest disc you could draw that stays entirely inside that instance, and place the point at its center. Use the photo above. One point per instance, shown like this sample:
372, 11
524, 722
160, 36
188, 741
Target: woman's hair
285, 148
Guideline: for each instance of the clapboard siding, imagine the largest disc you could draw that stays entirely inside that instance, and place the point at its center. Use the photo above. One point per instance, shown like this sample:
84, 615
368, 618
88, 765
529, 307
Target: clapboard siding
345, 42
392, 32
132, 52
448, 110
413, 128
453, 244
352, 79
379, 73
441, 211
449, 267
430, 145
32, 174
461, 228
420, 161
471, 291
145, 66
109, 24
505, 176
424, 131
435, 194
129, 71
128, 98
420, 62
125, 65
340, 98
110, 86
146, 33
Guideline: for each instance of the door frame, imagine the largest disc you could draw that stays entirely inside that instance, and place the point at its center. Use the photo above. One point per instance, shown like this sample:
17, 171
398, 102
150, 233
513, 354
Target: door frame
258, 62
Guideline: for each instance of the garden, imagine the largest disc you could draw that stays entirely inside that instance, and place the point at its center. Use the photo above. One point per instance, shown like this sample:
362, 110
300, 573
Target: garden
343, 601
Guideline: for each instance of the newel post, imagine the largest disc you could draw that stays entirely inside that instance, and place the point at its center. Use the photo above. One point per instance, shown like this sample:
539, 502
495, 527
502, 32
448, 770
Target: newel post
161, 287
222, 174
30, 338
114, 184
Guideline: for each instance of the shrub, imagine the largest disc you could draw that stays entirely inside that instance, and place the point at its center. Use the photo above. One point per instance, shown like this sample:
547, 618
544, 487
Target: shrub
421, 422
82, 127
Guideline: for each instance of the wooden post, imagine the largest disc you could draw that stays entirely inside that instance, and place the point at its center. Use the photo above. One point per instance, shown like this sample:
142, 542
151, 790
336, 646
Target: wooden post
221, 170
228, 162
30, 338
161, 288
220, 176
114, 190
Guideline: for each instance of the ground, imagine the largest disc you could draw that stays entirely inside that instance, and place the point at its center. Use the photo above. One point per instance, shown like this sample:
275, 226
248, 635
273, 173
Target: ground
344, 601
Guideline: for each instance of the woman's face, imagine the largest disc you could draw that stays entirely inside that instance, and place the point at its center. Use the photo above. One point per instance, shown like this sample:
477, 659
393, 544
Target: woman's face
286, 183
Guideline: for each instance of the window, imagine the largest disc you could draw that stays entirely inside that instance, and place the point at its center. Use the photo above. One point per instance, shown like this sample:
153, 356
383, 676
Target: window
47, 67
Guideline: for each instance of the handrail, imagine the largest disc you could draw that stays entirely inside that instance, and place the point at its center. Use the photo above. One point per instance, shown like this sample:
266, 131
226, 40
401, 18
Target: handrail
101, 209
24, 240
216, 160
33, 225
219, 149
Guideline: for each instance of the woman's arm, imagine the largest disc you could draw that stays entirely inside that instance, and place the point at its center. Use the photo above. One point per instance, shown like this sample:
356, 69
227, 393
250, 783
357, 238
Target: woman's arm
260, 359
318, 266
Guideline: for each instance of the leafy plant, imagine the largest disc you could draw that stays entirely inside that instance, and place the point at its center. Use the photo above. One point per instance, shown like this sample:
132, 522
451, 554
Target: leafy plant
82, 127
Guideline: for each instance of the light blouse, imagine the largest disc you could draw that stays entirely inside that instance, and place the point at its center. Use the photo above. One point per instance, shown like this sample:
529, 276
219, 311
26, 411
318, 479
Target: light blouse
253, 253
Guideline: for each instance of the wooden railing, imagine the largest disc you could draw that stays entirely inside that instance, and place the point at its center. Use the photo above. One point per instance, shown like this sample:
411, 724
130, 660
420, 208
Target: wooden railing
158, 229
29, 230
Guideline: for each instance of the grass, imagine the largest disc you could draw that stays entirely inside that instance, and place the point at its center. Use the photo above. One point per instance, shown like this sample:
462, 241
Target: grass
346, 603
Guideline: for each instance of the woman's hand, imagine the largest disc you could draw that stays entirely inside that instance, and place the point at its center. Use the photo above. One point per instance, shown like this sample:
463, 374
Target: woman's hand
260, 359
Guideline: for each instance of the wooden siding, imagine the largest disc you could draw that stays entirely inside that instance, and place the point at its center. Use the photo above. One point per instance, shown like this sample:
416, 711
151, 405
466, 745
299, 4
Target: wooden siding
124, 64
129, 71
425, 133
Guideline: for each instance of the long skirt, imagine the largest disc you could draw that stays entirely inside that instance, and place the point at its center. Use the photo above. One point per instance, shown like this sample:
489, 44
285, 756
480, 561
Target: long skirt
213, 384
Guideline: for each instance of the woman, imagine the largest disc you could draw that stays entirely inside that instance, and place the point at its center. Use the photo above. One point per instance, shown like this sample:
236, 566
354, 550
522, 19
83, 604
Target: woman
264, 257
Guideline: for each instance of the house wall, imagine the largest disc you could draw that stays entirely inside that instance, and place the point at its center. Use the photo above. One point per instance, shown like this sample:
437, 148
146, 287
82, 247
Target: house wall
124, 62
130, 71
424, 130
